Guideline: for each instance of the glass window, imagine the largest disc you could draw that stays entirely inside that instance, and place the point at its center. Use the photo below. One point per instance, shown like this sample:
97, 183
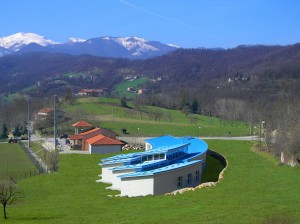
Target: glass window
197, 175
179, 181
189, 178
150, 157
156, 156
161, 156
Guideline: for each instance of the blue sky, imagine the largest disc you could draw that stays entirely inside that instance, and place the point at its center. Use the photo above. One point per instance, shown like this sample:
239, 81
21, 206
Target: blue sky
186, 23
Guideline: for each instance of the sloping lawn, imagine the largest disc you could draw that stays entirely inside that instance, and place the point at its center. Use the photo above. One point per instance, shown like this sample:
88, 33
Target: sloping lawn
14, 162
109, 114
254, 190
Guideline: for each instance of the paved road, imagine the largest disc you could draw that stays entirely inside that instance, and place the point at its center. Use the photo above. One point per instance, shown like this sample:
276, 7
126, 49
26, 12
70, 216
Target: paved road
141, 140
62, 142
135, 140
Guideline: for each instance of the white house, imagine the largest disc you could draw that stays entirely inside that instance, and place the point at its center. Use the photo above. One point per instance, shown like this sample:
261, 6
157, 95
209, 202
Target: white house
168, 164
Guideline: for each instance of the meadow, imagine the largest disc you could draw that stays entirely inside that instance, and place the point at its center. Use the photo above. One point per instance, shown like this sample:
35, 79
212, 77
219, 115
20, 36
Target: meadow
14, 162
121, 89
108, 113
255, 189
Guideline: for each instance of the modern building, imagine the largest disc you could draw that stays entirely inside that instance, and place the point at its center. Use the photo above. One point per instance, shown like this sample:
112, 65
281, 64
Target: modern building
168, 164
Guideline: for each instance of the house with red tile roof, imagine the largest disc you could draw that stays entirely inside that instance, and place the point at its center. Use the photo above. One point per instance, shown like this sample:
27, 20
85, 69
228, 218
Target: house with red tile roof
101, 144
79, 139
48, 112
97, 140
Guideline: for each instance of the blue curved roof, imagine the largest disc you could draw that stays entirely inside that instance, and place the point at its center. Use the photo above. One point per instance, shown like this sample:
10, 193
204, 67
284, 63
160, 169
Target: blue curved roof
196, 145
178, 153
166, 140
159, 170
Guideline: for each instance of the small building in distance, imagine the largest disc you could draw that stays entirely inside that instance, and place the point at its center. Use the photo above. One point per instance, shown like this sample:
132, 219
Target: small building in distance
168, 164
81, 125
48, 113
95, 140
91, 92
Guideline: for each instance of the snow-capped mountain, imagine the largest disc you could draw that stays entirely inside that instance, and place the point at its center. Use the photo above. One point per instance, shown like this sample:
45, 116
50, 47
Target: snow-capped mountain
120, 47
76, 40
17, 41
4, 51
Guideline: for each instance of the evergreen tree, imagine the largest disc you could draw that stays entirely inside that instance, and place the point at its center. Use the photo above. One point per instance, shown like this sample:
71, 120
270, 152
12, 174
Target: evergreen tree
4, 133
17, 131
123, 102
194, 107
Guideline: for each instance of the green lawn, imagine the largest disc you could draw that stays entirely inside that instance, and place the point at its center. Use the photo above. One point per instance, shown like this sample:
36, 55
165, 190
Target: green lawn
14, 162
108, 113
121, 89
254, 190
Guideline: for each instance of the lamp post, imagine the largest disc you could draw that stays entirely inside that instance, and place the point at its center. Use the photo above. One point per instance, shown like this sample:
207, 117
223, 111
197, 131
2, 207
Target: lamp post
199, 131
28, 122
54, 122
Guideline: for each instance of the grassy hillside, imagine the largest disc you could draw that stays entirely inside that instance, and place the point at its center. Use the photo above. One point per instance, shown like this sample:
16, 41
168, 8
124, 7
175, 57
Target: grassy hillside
121, 89
254, 190
14, 162
109, 114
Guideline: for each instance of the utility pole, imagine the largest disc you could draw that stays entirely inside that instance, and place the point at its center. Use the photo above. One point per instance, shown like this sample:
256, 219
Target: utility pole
28, 122
54, 122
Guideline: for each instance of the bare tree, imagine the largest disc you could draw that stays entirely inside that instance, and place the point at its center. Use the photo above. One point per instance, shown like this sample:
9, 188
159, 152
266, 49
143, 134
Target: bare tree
193, 118
139, 104
9, 194
52, 159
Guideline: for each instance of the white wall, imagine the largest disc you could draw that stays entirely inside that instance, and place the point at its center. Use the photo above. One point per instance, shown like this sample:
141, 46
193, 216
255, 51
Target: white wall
166, 182
107, 174
160, 183
148, 146
103, 149
116, 181
137, 186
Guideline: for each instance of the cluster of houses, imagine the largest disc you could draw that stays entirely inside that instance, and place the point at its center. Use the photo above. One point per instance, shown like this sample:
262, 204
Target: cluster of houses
92, 92
131, 78
94, 139
138, 91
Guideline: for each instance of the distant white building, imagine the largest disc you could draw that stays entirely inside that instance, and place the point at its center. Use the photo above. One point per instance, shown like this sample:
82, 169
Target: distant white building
168, 164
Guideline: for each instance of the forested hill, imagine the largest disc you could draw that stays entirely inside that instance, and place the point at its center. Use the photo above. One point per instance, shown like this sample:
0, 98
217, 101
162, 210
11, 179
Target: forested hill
184, 67
191, 64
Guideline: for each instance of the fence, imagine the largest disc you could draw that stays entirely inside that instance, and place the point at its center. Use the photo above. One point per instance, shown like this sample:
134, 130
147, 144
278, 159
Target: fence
20, 175
38, 163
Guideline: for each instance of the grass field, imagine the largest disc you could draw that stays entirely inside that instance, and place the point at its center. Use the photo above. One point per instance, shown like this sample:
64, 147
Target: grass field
255, 189
121, 89
14, 162
108, 113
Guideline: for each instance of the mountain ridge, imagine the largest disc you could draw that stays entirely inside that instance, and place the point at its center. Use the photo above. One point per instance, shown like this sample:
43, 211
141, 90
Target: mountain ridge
132, 47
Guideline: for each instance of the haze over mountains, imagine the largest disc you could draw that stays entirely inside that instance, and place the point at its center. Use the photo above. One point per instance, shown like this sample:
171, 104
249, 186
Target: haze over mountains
117, 47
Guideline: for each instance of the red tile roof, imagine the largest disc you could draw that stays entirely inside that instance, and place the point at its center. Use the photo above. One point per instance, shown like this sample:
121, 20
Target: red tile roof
75, 137
81, 124
46, 110
80, 135
103, 140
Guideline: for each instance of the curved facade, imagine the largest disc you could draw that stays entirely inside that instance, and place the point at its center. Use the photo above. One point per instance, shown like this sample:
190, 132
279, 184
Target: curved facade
168, 164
